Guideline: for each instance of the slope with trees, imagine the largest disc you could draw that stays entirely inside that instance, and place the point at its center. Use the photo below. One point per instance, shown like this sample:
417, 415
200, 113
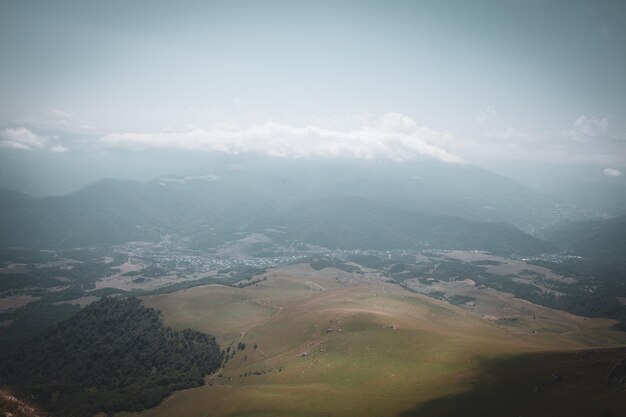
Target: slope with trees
113, 355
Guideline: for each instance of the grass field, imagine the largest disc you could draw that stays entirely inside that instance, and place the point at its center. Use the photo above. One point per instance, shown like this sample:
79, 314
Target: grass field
331, 343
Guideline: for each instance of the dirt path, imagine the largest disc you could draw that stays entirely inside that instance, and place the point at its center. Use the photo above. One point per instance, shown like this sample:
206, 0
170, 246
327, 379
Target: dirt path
571, 331
243, 333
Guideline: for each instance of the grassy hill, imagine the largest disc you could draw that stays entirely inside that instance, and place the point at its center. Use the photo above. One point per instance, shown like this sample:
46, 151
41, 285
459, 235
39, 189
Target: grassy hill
546, 384
335, 343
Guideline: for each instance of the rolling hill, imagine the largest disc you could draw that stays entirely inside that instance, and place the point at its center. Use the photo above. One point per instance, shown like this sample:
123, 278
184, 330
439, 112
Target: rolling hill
332, 343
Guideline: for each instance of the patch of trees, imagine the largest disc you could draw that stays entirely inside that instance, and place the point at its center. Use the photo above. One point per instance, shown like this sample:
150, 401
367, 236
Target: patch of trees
458, 300
452, 268
113, 355
322, 263
485, 262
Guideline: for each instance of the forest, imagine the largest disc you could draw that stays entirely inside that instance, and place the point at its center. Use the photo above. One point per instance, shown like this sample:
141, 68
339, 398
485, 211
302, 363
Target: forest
113, 355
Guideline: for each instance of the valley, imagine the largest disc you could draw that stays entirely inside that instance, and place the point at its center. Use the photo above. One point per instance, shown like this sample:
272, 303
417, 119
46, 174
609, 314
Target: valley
332, 289
312, 208
337, 331
339, 306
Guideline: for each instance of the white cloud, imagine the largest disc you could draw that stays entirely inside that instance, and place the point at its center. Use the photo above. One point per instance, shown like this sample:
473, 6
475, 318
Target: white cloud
58, 149
588, 128
22, 138
397, 122
9, 144
612, 172
391, 136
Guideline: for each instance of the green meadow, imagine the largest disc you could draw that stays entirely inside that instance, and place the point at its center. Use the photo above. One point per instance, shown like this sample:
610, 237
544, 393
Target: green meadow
327, 343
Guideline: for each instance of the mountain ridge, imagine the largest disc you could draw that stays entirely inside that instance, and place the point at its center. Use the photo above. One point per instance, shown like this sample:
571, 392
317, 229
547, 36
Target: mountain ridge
210, 213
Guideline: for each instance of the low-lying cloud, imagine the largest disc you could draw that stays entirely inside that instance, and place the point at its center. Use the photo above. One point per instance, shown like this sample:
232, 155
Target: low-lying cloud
393, 137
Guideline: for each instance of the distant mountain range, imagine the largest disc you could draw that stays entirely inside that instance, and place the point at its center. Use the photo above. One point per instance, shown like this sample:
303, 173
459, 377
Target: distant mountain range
358, 223
446, 206
601, 239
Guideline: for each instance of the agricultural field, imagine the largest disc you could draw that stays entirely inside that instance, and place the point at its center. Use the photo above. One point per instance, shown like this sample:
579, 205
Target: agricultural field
305, 342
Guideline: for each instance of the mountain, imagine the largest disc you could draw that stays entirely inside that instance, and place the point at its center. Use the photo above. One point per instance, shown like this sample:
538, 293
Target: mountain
601, 239
113, 211
104, 214
357, 223
355, 211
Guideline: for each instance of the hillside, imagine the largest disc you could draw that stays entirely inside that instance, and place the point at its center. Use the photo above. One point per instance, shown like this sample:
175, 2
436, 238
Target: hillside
603, 239
357, 223
113, 355
354, 212
338, 343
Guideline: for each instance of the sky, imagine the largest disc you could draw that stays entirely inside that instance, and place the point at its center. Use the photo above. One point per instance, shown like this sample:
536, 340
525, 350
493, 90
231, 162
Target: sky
481, 82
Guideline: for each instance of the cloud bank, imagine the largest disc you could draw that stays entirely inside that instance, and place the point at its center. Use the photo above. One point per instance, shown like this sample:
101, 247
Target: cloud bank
392, 137
24, 139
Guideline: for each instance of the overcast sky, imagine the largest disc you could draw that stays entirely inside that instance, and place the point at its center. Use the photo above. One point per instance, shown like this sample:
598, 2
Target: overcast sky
466, 81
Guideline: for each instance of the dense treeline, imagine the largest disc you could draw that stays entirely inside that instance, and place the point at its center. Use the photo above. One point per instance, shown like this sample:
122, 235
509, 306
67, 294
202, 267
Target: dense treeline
113, 355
